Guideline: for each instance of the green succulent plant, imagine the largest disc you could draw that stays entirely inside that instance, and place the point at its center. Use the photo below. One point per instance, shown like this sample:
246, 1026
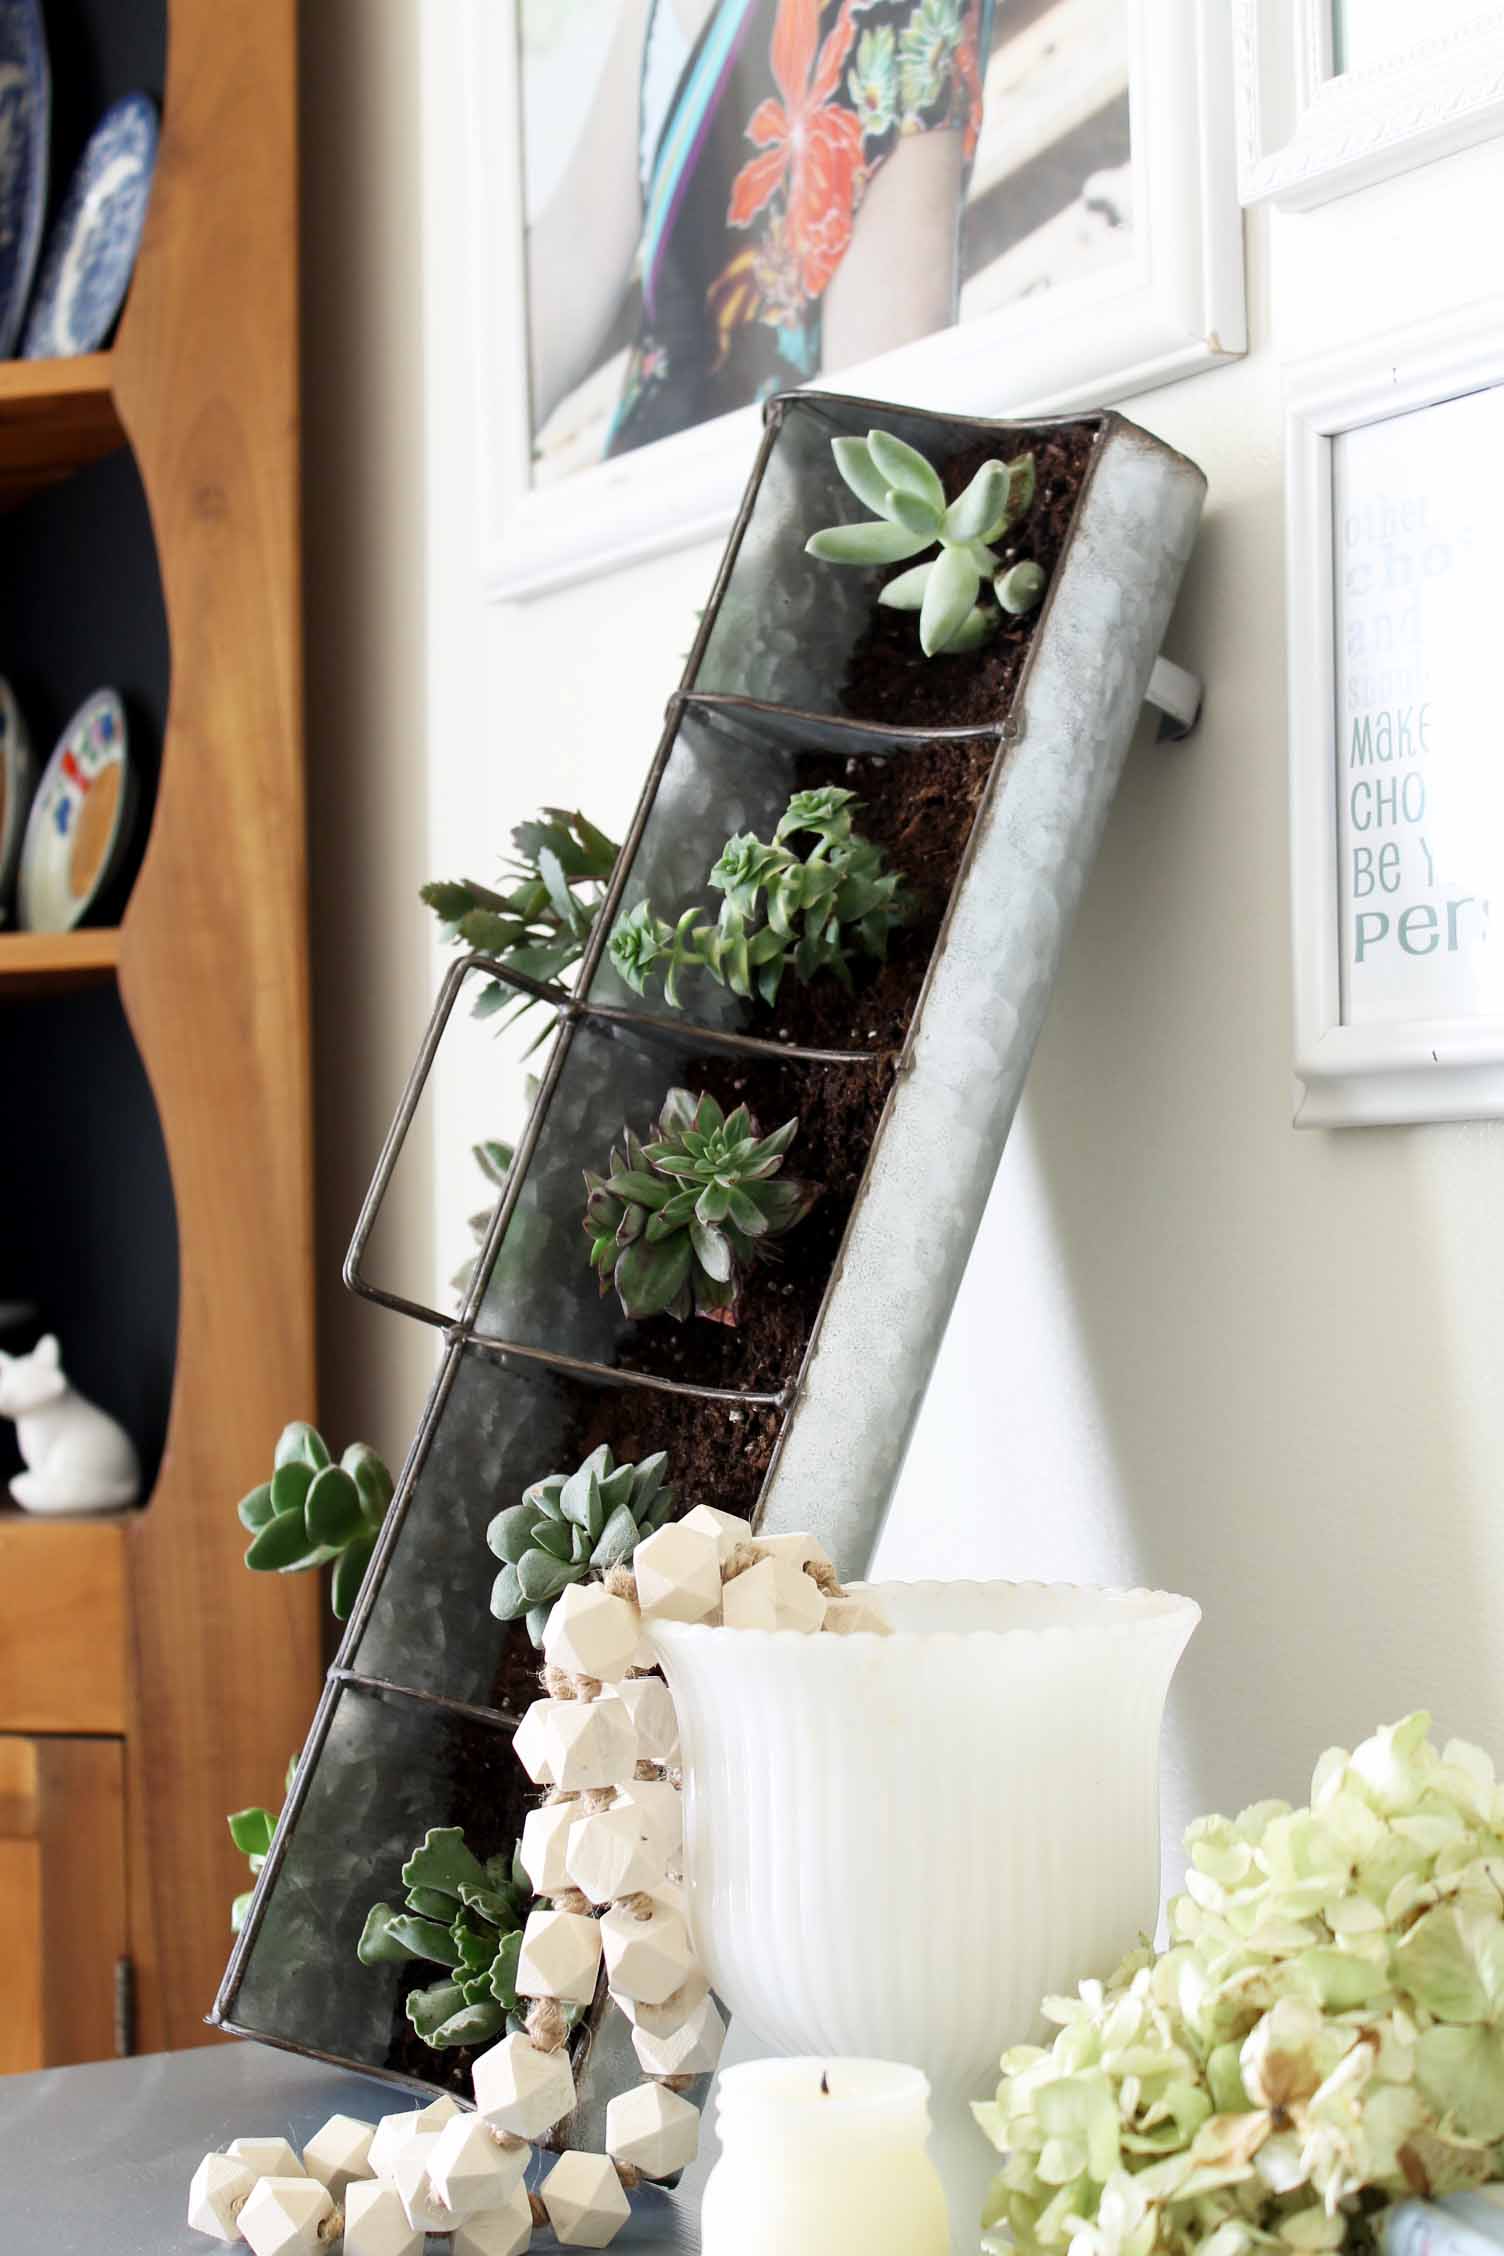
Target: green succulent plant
540, 923
676, 1223
251, 1830
314, 1513
570, 1525
1324, 2035
466, 1917
494, 1159
779, 908
912, 514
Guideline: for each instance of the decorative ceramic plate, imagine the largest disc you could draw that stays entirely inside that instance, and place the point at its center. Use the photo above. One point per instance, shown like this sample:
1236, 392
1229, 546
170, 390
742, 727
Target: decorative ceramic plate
92, 246
18, 776
80, 819
25, 112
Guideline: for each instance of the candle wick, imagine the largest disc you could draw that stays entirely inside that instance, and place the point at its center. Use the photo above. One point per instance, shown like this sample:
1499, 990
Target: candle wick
824, 2084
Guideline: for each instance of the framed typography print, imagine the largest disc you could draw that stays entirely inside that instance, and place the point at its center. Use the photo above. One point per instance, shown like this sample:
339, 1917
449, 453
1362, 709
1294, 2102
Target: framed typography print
1336, 94
1396, 480
683, 207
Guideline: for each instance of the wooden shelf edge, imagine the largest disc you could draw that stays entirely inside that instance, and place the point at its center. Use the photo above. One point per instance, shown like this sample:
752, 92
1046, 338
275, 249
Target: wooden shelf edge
35, 963
55, 417
36, 385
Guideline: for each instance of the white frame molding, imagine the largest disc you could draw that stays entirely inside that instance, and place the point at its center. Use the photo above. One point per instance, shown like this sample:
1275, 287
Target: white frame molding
1306, 134
1413, 1070
1173, 306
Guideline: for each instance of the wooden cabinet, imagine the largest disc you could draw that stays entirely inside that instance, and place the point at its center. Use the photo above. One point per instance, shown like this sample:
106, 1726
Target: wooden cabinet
148, 1684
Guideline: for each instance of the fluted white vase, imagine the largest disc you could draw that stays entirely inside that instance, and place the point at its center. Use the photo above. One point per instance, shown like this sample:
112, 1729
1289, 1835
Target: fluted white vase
895, 1847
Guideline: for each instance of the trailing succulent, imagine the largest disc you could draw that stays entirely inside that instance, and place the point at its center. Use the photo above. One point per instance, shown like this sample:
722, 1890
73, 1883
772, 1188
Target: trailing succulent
570, 1525
676, 1223
539, 925
314, 1513
1324, 2035
779, 909
251, 1830
466, 1917
912, 514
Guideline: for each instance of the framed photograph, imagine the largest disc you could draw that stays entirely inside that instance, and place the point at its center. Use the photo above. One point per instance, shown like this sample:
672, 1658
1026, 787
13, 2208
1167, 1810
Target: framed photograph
1336, 94
1395, 466
1000, 207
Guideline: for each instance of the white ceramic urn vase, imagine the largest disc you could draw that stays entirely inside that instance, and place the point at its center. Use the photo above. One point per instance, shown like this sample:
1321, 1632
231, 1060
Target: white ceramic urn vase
895, 1847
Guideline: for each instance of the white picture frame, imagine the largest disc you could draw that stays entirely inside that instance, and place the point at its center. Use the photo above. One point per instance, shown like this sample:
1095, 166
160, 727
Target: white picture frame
1173, 306
1406, 1068
1308, 133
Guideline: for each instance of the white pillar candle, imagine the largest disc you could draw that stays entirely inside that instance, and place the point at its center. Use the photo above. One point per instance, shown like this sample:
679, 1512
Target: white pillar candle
823, 2158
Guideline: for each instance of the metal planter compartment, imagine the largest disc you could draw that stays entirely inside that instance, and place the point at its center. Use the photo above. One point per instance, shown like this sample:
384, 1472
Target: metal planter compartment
534, 1359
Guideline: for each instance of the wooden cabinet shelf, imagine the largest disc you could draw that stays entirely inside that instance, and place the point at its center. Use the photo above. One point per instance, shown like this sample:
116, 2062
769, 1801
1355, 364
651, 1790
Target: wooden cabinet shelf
37, 963
55, 416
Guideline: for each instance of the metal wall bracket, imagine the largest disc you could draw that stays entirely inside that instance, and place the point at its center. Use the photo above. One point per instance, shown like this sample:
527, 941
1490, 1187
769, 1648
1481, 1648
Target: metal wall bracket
1176, 697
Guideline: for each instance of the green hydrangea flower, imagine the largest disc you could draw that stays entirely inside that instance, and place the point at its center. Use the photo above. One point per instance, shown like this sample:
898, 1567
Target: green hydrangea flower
1324, 2035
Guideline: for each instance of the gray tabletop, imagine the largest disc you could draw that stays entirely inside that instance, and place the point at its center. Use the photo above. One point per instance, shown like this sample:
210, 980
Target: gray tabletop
96, 2161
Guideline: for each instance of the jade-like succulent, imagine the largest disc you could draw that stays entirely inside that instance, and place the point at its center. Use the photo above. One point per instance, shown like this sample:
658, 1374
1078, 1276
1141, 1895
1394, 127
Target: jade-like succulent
251, 1830
1324, 2035
895, 480
468, 1918
313, 1512
779, 908
676, 1223
540, 924
570, 1525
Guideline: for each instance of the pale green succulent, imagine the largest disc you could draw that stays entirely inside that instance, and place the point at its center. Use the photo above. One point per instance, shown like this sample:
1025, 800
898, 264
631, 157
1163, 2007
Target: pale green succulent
1324, 2035
895, 480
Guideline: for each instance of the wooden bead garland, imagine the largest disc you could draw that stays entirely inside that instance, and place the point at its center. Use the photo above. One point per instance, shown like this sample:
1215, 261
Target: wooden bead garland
603, 1853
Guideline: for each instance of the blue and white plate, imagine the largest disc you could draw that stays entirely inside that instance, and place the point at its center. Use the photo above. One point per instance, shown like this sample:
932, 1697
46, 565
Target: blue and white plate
92, 246
18, 782
25, 114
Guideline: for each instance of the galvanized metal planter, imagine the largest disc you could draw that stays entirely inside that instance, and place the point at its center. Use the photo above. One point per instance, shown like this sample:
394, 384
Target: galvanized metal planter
415, 1723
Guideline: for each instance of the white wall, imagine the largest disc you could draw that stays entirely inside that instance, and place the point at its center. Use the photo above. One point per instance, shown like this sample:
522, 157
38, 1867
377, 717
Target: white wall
1194, 1347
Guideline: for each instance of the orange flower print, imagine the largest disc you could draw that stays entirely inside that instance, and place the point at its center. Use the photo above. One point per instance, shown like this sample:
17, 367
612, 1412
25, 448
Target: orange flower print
810, 144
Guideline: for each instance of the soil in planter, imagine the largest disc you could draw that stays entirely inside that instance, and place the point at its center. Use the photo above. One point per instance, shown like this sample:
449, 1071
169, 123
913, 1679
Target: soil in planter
890, 680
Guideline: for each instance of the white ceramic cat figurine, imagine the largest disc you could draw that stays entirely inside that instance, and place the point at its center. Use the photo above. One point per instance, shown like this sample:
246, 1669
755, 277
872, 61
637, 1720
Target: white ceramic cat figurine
77, 1458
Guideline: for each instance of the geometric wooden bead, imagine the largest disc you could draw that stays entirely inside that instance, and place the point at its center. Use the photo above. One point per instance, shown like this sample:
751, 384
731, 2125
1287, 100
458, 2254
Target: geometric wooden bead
288, 2217
653, 2130
611, 1853
693, 2049
560, 1957
647, 1958
854, 1617
775, 1594
660, 1806
394, 2131
727, 1529
672, 2012
470, 2171
545, 1832
584, 2199
678, 1574
376, 2222
575, 1744
415, 2189
504, 2231
521, 2090
340, 2153
799, 1550
217, 2195
590, 1633
648, 1702
266, 2157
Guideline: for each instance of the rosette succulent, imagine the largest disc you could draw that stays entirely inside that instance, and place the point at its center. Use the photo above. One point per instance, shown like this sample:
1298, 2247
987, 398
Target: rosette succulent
780, 909
1324, 2035
251, 1830
896, 481
676, 1223
539, 925
314, 1513
466, 1917
570, 1525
